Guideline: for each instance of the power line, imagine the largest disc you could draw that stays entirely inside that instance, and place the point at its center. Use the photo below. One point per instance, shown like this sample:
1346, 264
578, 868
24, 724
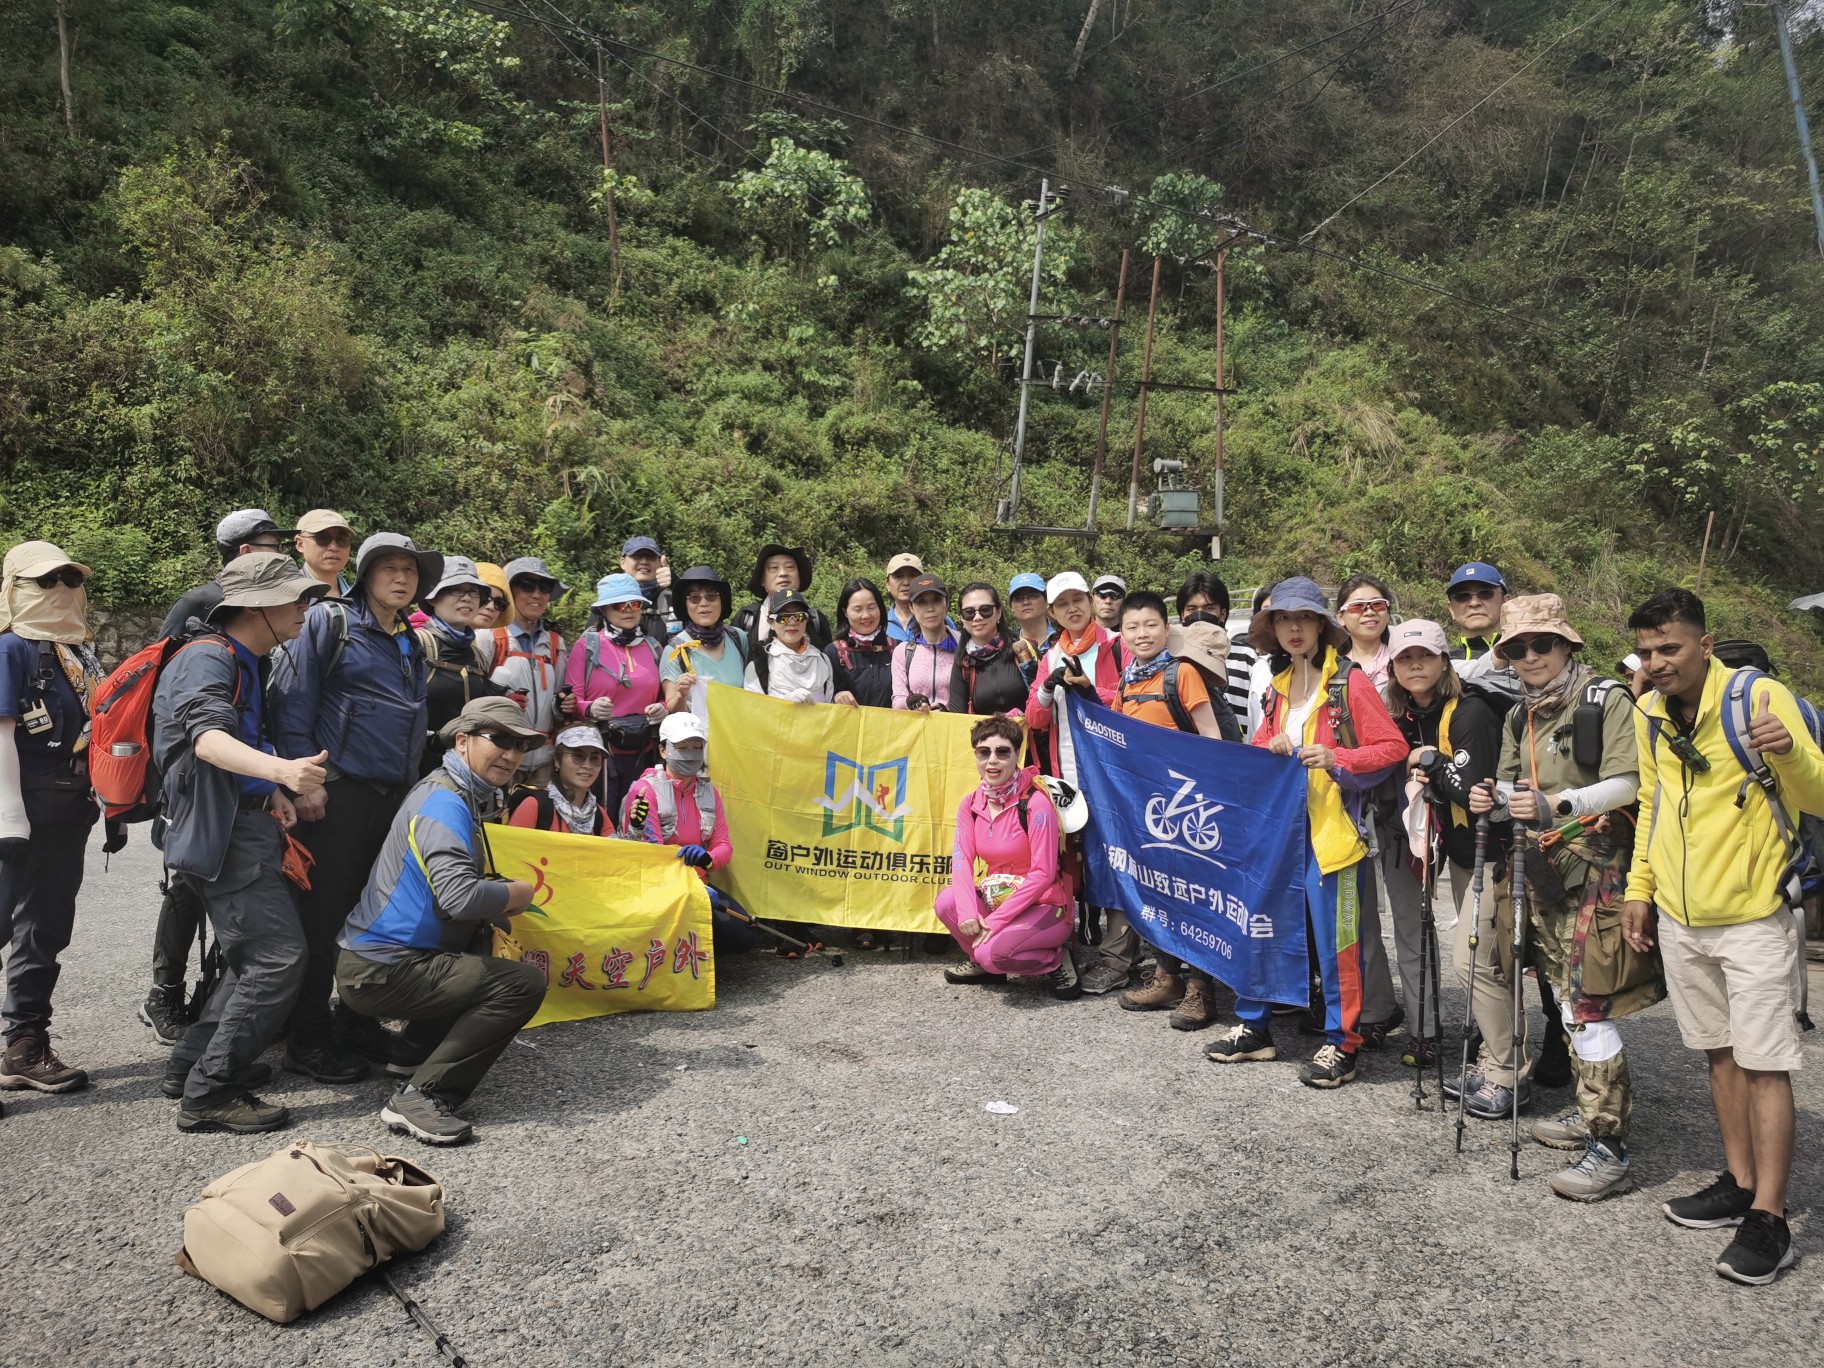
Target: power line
1412, 157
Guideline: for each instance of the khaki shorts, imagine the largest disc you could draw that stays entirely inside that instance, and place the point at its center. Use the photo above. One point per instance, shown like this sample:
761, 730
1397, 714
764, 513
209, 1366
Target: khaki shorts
1732, 986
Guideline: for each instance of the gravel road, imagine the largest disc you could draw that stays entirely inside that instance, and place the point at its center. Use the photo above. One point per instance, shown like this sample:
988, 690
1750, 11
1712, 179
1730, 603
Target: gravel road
807, 1175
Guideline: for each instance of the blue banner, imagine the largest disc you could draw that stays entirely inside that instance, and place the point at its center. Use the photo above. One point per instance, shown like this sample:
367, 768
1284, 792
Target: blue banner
1202, 843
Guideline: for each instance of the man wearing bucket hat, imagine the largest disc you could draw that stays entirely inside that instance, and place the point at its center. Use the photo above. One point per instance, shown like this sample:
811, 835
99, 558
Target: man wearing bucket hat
641, 558
614, 679
225, 782
1569, 778
776, 569
47, 676
448, 638
323, 540
354, 684
527, 657
418, 946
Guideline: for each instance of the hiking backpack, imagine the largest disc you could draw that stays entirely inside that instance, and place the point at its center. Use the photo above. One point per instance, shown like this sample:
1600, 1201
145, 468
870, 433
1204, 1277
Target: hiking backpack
1226, 724
665, 800
545, 807
120, 738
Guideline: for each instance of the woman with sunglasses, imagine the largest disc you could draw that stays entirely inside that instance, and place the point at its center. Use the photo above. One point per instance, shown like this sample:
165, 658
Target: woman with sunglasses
787, 665
1570, 786
1364, 605
448, 637
568, 802
1016, 917
862, 651
495, 608
925, 661
1324, 712
994, 673
48, 675
615, 681
706, 648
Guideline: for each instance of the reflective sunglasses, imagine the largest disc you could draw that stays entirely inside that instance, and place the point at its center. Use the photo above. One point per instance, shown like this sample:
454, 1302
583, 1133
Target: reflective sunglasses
69, 577
518, 745
791, 619
330, 538
1541, 645
994, 752
971, 614
1111, 593
1360, 606
1481, 593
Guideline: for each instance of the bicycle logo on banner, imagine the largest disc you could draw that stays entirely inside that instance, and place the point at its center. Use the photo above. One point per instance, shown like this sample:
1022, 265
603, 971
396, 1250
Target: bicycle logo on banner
1185, 822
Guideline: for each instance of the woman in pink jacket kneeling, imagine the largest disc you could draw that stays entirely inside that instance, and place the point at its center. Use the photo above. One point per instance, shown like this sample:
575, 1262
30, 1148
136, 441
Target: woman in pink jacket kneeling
1016, 919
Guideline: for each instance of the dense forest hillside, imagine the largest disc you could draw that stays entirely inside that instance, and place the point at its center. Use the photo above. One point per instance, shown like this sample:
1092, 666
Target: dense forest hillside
1530, 282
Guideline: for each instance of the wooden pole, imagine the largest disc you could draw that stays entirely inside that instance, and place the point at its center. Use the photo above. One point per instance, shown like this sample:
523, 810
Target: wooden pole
1704, 555
1146, 380
1108, 393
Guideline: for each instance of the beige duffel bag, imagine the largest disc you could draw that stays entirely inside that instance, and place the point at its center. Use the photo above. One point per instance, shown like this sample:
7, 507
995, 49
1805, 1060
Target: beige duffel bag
284, 1235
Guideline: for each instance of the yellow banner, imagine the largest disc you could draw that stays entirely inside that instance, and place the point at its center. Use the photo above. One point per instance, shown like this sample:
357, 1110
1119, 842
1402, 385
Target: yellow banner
617, 926
839, 816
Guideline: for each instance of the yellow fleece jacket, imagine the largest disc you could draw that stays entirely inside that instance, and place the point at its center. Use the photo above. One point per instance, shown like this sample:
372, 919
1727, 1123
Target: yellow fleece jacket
1706, 862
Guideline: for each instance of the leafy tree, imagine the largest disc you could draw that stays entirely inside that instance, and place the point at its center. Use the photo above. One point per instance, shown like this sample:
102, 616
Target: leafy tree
802, 197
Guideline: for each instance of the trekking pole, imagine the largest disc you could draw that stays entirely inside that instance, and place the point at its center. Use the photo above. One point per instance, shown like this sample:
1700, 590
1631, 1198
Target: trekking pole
1519, 949
1475, 937
809, 947
1427, 939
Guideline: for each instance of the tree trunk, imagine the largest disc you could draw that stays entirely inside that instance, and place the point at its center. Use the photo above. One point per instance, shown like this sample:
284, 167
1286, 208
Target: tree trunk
63, 72
1076, 57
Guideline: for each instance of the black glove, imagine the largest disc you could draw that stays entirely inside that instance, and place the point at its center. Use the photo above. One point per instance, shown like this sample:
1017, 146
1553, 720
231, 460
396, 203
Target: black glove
13, 848
1055, 680
637, 813
114, 834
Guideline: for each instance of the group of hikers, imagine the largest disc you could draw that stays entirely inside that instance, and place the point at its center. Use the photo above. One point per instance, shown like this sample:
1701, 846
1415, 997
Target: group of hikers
323, 747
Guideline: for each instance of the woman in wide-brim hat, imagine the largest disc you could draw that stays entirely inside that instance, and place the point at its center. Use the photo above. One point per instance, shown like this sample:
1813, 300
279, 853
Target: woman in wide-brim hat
706, 649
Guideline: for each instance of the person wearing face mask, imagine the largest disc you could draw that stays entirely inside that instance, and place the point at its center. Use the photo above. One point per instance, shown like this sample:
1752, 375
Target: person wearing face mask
1203, 597
707, 648
675, 804
418, 946
568, 802
862, 652
924, 662
781, 569
787, 666
1015, 917
48, 676
354, 683
615, 681
448, 637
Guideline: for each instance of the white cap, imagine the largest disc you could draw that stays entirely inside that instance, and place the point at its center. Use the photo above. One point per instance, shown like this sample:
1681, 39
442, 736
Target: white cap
682, 726
581, 738
1061, 584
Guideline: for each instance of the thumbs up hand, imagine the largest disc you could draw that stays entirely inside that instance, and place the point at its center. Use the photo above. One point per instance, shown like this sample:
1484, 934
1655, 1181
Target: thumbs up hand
664, 572
1766, 733
304, 777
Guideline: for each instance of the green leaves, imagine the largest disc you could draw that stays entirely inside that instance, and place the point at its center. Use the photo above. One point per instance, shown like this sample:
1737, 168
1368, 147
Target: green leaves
802, 197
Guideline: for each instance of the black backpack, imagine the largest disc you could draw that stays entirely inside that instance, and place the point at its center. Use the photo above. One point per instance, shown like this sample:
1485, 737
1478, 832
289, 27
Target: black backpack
1226, 724
1586, 723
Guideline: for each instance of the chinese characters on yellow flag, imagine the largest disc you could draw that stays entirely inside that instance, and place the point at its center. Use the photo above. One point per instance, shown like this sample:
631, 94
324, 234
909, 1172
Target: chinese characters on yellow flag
839, 816
616, 926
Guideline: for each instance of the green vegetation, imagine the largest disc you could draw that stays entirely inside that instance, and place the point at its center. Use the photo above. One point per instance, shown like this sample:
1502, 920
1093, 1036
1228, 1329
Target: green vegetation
367, 254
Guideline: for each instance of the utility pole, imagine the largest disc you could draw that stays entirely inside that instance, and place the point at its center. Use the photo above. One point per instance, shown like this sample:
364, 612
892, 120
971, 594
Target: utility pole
1032, 332
1798, 117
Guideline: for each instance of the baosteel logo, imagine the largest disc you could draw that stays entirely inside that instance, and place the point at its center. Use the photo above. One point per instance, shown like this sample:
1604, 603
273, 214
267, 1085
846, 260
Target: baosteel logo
870, 796
1185, 822
1103, 730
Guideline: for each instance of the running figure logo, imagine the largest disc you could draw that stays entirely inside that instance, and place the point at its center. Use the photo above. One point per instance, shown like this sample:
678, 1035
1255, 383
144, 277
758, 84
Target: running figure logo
1185, 822
861, 795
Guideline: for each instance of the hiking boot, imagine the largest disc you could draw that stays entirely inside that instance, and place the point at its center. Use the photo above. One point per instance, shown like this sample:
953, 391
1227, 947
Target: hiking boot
426, 1116
1103, 978
1602, 1172
969, 973
1198, 1009
1164, 991
172, 1084
1065, 985
1420, 1053
1453, 1083
1241, 1043
165, 1011
243, 1115
1724, 1203
360, 1037
1494, 1101
1565, 1132
1374, 1033
1761, 1248
30, 1062
326, 1066
1331, 1067
1553, 1067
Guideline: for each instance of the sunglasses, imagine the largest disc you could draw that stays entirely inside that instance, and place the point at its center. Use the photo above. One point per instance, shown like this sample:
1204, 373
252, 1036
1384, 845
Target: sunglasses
1542, 645
518, 745
1110, 594
464, 592
69, 577
1481, 593
330, 538
703, 596
498, 601
994, 753
532, 586
790, 619
1360, 606
639, 603
971, 614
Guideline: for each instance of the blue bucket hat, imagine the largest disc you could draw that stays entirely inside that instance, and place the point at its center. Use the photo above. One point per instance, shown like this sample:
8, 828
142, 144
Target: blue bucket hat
1295, 595
1025, 580
617, 588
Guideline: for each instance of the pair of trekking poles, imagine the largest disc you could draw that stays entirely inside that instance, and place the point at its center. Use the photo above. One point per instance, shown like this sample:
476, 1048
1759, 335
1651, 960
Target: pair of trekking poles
1518, 947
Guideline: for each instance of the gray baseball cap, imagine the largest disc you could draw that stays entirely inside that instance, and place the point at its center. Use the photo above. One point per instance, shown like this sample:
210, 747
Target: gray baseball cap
264, 579
248, 522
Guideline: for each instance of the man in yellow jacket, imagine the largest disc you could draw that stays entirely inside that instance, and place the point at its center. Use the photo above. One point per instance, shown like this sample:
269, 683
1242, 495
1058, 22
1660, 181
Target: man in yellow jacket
1715, 858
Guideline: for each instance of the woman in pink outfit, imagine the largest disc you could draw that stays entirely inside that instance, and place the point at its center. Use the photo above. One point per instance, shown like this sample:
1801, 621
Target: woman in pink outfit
1017, 918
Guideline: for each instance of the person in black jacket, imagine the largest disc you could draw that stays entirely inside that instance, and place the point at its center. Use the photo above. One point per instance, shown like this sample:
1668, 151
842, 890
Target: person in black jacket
862, 652
1456, 739
994, 672
457, 672
775, 568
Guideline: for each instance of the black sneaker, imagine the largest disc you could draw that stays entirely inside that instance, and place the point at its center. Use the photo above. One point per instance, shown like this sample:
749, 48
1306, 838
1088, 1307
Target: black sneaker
361, 1036
426, 1116
165, 1011
1374, 1033
243, 1115
1065, 986
172, 1084
1761, 1248
326, 1066
1331, 1067
1240, 1044
1723, 1203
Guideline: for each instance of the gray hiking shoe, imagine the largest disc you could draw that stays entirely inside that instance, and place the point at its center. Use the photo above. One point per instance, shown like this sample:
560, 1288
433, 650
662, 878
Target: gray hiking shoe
1493, 1101
426, 1116
243, 1115
172, 1084
1103, 978
1565, 1132
1602, 1172
971, 972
